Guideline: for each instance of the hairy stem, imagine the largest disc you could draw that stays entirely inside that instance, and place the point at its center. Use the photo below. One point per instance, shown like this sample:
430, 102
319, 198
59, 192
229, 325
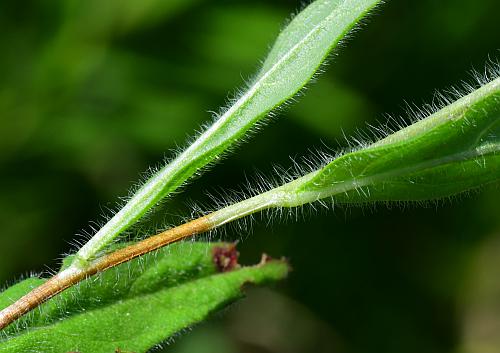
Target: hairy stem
72, 275
298, 52
451, 151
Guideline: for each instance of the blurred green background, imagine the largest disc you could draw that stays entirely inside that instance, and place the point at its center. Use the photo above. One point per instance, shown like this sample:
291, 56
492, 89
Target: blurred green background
93, 92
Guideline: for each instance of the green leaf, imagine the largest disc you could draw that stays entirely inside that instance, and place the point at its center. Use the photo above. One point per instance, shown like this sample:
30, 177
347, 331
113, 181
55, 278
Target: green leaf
295, 57
138, 304
451, 151
304, 44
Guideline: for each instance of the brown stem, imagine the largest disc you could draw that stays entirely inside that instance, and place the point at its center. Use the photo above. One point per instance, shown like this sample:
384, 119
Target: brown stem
69, 278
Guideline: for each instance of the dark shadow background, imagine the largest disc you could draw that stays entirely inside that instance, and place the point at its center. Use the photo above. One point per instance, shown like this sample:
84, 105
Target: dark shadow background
94, 92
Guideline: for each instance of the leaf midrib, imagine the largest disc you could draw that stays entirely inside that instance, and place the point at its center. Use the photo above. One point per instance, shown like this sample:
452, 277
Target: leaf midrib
484, 150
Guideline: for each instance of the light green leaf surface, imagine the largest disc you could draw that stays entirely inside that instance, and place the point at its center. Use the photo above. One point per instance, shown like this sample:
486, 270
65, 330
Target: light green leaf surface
137, 304
295, 57
451, 151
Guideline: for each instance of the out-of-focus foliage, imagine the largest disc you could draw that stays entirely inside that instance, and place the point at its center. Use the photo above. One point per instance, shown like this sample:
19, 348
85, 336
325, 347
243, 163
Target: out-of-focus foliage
480, 300
93, 92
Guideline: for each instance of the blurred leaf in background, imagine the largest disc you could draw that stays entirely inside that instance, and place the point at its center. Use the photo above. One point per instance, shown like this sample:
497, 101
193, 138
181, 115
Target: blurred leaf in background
481, 302
92, 93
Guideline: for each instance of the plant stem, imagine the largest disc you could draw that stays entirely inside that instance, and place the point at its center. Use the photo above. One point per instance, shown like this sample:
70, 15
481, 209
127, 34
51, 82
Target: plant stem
323, 183
73, 275
296, 56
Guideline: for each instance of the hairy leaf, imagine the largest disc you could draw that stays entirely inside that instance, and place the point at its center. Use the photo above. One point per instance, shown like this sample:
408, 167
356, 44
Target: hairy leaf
298, 52
137, 304
451, 151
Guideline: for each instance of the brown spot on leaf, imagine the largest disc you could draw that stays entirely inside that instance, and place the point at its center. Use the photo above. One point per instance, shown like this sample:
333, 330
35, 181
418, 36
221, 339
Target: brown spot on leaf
226, 257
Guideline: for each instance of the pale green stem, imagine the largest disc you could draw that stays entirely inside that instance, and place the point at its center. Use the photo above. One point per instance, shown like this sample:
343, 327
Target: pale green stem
288, 195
